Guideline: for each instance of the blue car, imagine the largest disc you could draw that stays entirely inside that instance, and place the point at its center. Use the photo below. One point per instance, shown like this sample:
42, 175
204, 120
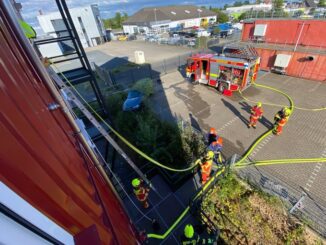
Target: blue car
133, 101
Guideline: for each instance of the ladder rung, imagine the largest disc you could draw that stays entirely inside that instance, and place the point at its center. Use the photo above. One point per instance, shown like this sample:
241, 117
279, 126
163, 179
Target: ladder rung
52, 40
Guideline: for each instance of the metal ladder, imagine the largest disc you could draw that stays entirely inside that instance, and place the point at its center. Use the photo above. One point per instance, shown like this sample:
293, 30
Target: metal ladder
70, 98
68, 37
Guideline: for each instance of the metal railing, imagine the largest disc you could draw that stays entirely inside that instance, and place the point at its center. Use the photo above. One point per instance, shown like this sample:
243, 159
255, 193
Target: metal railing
276, 14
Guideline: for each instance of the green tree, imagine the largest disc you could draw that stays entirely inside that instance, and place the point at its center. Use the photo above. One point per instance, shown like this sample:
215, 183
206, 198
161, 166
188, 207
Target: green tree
226, 6
258, 1
116, 21
246, 2
221, 16
278, 4
237, 4
322, 3
242, 16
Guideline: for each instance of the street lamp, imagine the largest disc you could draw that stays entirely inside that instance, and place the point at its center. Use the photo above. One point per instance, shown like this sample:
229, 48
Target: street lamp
155, 16
199, 11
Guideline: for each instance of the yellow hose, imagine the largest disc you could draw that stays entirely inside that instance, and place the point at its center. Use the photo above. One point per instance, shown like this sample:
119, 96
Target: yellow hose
123, 139
279, 105
238, 164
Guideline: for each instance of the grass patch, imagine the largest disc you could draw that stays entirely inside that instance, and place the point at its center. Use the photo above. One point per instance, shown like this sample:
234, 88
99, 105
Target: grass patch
250, 216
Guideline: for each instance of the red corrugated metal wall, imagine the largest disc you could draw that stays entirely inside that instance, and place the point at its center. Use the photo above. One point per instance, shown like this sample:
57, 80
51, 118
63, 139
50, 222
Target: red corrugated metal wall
39, 154
287, 32
299, 66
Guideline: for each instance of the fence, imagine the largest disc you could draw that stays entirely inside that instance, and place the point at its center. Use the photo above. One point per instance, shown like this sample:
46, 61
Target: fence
274, 14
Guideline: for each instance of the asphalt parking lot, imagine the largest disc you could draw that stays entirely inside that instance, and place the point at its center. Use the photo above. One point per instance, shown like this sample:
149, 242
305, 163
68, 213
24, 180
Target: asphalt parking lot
153, 52
304, 136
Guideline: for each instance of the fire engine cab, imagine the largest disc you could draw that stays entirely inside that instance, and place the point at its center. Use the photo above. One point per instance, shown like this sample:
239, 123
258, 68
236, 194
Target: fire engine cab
235, 69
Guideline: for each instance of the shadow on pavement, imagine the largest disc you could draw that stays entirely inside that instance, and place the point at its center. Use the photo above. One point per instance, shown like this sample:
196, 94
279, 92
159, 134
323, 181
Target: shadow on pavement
247, 108
235, 111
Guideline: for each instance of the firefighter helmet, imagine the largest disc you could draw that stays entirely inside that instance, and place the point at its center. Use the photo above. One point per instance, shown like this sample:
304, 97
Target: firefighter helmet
212, 131
259, 104
287, 111
189, 231
135, 182
209, 155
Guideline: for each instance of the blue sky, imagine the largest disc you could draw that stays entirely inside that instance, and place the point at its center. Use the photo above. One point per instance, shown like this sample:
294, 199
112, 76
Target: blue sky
107, 7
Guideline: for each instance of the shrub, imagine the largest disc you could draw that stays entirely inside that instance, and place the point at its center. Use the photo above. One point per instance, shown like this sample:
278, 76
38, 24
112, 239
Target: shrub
145, 86
114, 102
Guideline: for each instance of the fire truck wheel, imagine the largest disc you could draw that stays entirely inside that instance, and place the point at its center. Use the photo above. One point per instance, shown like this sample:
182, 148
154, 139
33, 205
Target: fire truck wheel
222, 87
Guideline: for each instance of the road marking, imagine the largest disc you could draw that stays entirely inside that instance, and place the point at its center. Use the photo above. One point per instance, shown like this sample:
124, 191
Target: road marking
227, 124
261, 145
314, 88
314, 174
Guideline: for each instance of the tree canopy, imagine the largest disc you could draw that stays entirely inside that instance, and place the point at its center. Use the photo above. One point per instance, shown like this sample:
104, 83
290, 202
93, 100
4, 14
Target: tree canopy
322, 3
278, 4
116, 21
221, 16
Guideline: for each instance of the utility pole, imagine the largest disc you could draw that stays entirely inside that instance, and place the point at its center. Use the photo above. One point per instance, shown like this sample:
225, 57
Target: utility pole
155, 19
299, 37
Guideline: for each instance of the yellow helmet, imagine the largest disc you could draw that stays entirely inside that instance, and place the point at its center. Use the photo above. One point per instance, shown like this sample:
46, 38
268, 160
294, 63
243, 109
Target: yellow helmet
189, 231
287, 111
209, 155
259, 104
135, 182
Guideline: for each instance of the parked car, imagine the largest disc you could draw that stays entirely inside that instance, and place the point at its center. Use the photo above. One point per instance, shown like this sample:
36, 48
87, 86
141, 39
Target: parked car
133, 101
203, 33
132, 37
122, 38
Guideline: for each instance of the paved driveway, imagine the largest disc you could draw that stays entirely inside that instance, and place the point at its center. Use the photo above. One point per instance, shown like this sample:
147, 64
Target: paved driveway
304, 136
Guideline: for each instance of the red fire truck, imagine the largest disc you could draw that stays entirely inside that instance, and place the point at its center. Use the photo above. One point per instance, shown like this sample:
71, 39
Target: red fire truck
235, 69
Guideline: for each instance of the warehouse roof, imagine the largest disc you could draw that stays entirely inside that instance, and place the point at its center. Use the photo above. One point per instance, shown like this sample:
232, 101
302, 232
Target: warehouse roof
167, 13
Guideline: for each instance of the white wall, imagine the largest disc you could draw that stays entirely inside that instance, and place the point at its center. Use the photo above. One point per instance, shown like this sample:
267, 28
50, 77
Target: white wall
13, 233
191, 22
243, 8
50, 50
173, 24
130, 29
90, 18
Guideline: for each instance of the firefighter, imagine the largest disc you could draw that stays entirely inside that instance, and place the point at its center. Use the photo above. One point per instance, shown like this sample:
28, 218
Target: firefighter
28, 30
215, 144
281, 119
285, 112
190, 237
212, 135
140, 191
256, 113
206, 166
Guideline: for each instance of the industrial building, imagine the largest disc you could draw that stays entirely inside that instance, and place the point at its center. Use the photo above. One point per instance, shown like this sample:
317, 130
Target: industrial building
88, 24
253, 7
301, 40
168, 17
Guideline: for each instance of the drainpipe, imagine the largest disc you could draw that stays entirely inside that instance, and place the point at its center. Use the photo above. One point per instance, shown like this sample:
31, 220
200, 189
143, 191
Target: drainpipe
299, 37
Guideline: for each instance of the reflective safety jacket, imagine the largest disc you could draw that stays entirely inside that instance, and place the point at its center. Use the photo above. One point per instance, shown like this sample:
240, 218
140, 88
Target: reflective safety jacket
28, 29
141, 193
256, 112
190, 241
206, 167
216, 145
282, 122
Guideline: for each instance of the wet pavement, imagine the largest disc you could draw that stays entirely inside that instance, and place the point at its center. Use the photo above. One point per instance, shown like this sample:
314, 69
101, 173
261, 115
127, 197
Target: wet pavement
304, 136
